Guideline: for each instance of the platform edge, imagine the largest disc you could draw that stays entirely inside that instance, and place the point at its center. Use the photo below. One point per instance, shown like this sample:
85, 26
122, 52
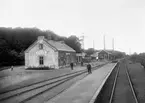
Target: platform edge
100, 87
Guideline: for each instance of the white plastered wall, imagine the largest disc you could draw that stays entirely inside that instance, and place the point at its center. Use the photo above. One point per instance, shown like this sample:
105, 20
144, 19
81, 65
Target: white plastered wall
50, 56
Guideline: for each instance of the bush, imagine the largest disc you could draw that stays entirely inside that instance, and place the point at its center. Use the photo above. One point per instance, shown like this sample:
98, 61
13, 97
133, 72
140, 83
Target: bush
40, 68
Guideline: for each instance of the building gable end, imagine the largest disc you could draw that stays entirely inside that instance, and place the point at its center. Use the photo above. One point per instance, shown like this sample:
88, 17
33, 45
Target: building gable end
35, 43
104, 51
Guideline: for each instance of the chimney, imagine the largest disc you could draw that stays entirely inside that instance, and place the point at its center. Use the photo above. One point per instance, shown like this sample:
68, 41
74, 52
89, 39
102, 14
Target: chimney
40, 37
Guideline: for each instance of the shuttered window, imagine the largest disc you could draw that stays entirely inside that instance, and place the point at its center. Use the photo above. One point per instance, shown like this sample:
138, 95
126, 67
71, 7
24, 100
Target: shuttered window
40, 46
41, 60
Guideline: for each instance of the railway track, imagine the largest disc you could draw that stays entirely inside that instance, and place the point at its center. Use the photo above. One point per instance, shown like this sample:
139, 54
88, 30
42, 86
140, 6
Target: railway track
132, 95
118, 88
31, 91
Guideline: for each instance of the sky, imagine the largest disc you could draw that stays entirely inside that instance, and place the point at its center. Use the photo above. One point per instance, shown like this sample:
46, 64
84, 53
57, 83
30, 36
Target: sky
123, 20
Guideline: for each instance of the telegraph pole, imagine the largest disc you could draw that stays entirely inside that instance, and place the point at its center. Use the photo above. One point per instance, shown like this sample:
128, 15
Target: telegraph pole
82, 41
104, 43
113, 44
129, 51
83, 46
93, 45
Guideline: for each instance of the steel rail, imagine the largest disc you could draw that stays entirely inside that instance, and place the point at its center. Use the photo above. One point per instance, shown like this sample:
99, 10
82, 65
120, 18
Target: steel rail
130, 83
114, 84
2, 92
74, 74
31, 97
37, 87
21, 87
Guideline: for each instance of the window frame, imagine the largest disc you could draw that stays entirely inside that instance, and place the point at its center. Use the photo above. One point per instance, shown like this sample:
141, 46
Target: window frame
40, 46
41, 60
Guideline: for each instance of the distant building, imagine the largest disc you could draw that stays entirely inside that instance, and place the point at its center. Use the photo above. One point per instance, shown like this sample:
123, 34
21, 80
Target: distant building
49, 53
106, 55
80, 57
95, 55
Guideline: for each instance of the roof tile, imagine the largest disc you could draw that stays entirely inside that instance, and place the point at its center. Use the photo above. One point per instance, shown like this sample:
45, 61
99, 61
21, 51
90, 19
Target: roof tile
61, 46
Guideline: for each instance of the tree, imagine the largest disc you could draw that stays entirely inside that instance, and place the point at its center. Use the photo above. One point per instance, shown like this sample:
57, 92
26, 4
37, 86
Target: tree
74, 43
14, 41
89, 51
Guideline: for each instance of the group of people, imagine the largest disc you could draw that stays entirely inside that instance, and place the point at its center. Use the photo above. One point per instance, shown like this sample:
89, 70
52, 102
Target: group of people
89, 67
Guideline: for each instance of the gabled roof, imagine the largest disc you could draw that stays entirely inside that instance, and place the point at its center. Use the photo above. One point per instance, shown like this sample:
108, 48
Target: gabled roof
56, 45
60, 46
112, 52
105, 51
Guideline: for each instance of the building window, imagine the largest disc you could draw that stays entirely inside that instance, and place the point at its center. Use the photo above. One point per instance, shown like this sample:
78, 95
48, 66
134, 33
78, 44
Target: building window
41, 60
40, 46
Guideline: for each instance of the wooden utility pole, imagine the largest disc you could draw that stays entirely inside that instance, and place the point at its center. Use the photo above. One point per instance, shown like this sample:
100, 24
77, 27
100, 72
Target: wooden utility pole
129, 51
104, 43
82, 41
113, 44
93, 45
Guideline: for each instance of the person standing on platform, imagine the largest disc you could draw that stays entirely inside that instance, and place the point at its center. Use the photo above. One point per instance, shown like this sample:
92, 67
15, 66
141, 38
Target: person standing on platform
12, 68
89, 68
71, 65
81, 63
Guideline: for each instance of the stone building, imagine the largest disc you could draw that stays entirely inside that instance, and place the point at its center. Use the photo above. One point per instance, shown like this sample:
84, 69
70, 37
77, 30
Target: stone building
49, 53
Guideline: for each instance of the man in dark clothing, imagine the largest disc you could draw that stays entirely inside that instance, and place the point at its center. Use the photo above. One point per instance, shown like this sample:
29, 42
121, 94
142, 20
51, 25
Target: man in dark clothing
89, 68
12, 68
71, 65
81, 63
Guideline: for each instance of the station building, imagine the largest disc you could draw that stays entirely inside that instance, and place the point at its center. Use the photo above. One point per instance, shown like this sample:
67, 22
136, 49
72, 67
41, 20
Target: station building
49, 53
106, 55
